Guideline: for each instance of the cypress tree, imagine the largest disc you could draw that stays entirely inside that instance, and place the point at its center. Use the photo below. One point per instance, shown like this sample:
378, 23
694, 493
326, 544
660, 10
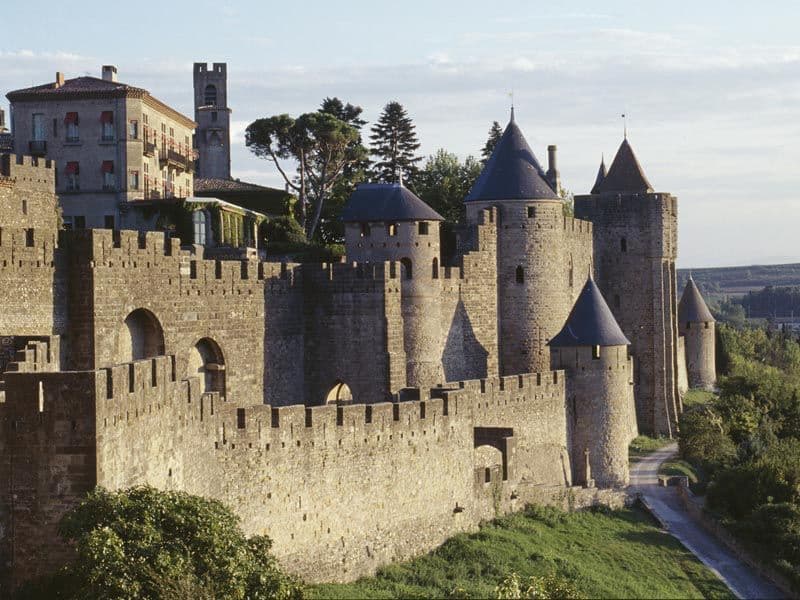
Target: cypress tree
495, 133
394, 144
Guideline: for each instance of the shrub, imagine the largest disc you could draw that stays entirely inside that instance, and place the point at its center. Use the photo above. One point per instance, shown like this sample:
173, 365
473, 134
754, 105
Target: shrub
703, 441
145, 543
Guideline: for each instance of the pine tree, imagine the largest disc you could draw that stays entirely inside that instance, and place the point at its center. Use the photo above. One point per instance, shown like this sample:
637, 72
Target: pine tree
495, 133
394, 143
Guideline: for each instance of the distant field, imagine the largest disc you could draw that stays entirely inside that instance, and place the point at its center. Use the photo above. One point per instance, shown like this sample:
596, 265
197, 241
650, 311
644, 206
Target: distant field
605, 554
740, 280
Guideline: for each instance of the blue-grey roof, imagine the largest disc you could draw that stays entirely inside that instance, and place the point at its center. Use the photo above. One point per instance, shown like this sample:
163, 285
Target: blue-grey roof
372, 202
512, 172
590, 323
601, 175
692, 308
625, 174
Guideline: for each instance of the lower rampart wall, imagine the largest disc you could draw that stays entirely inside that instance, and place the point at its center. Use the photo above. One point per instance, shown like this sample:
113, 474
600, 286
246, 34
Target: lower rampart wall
341, 490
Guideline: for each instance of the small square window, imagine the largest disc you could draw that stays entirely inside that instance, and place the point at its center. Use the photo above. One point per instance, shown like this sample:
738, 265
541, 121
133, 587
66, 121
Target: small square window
531, 212
109, 221
80, 222
133, 130
423, 228
391, 229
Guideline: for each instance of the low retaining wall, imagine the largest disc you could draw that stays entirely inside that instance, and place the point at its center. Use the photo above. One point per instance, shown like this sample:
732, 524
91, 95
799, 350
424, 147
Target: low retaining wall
696, 509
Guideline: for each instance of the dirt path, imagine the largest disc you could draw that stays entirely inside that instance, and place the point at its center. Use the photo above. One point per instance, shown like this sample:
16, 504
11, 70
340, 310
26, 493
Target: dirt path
664, 502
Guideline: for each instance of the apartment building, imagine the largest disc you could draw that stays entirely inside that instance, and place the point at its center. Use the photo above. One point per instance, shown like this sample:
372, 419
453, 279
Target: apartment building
112, 144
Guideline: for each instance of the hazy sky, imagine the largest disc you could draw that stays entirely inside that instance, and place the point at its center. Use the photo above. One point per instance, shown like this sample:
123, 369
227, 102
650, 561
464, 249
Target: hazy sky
711, 88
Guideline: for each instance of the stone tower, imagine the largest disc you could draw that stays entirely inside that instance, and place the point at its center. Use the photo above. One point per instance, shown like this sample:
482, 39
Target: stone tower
538, 250
696, 325
635, 246
387, 222
213, 117
601, 415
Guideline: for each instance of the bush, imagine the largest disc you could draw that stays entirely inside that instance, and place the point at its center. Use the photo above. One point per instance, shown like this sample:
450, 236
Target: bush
703, 440
145, 543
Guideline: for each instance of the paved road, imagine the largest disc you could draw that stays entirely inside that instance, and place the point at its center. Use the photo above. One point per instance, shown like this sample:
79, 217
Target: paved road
739, 577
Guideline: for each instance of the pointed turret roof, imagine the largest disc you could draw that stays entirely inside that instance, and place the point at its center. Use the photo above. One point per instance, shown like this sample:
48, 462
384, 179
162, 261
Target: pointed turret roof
692, 308
625, 174
601, 175
372, 202
590, 323
512, 171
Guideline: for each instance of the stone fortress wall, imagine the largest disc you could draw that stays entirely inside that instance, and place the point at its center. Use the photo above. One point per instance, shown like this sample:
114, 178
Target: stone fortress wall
543, 258
327, 474
635, 247
133, 360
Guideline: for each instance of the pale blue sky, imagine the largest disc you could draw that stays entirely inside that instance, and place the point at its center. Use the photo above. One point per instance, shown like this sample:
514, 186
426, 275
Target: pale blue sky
712, 88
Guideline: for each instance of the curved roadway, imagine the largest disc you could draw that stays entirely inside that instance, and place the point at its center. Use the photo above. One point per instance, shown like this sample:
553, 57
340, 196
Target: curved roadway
664, 502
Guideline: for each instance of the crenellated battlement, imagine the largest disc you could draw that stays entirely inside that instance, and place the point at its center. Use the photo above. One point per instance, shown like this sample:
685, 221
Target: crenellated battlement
578, 226
27, 171
594, 206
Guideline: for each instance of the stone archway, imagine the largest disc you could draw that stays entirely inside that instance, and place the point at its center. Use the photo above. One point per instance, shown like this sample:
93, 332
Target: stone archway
141, 336
207, 362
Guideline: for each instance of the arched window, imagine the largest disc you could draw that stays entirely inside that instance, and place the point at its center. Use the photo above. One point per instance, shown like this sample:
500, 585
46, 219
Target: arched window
210, 97
339, 394
406, 266
199, 227
435, 268
141, 336
207, 362
520, 274
623, 245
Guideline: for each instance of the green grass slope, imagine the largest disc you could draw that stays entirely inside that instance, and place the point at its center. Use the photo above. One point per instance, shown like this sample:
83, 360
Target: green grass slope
605, 554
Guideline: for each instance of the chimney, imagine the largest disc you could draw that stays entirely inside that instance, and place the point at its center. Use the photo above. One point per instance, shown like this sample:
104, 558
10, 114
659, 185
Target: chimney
553, 177
109, 73
59, 79
2, 120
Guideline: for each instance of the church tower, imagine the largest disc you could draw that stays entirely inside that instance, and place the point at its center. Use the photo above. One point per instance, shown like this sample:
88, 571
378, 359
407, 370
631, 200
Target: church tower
213, 117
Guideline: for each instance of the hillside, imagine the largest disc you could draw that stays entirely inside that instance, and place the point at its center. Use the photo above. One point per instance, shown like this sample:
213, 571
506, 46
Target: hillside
740, 280
602, 553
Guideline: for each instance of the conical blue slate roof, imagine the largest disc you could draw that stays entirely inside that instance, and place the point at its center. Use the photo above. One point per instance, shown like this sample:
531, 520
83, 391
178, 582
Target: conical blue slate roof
512, 172
372, 202
590, 323
625, 174
601, 175
692, 308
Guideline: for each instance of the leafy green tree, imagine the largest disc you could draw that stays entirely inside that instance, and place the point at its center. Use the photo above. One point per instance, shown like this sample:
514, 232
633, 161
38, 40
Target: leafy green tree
444, 182
321, 145
394, 143
143, 543
331, 229
495, 133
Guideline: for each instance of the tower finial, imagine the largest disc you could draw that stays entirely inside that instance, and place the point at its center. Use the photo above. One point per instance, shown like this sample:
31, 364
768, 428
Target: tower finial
624, 126
511, 95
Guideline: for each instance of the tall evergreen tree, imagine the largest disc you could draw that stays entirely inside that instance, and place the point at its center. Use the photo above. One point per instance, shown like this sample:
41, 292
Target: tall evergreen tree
394, 143
495, 133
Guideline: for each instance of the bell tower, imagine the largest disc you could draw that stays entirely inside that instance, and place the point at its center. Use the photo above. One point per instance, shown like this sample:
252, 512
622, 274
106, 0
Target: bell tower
213, 117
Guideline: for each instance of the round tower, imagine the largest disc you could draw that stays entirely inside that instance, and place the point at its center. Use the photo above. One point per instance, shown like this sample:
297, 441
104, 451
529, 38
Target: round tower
601, 415
387, 222
538, 251
696, 325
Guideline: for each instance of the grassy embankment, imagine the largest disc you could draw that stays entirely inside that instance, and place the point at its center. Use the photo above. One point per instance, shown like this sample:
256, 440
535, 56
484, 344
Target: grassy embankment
604, 554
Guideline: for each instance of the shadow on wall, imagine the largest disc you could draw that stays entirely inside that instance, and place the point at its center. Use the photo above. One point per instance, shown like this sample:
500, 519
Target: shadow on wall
464, 357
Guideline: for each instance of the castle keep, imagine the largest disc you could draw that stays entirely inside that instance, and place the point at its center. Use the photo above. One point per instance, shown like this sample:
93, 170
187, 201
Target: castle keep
358, 412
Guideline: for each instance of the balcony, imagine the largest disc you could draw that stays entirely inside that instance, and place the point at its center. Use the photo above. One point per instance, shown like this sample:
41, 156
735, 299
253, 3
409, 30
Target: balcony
149, 143
37, 147
176, 160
